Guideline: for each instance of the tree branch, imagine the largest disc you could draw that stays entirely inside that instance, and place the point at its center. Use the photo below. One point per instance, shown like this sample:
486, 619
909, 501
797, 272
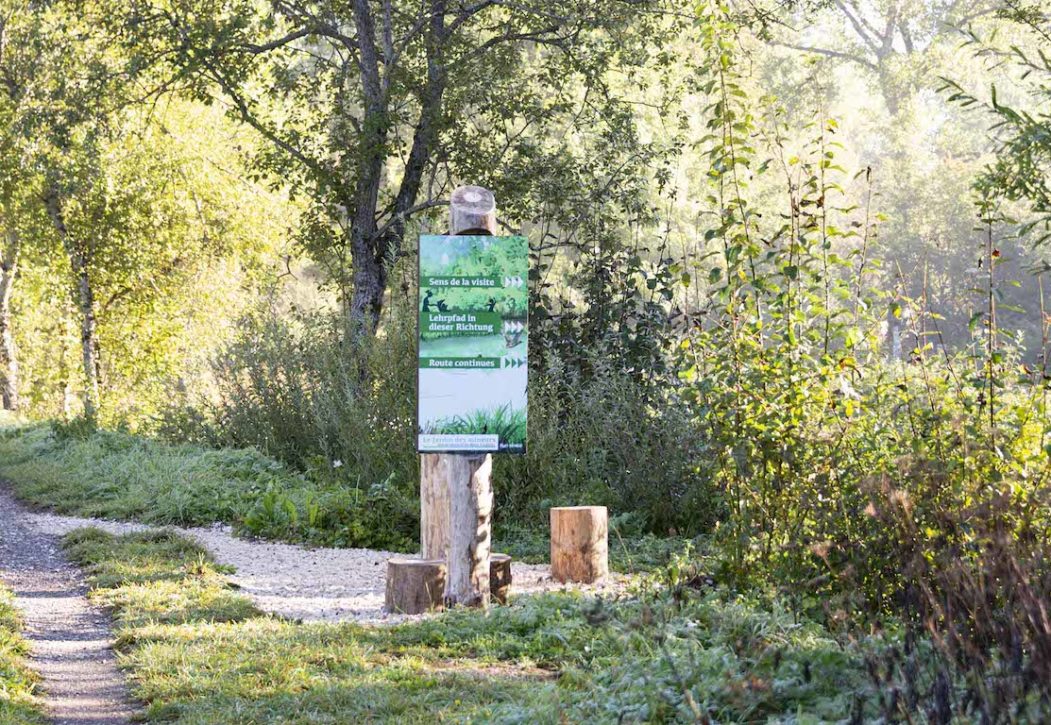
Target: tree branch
279, 42
269, 134
831, 54
861, 26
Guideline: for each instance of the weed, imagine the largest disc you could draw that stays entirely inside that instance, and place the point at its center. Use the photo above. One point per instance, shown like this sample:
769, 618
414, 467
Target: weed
18, 703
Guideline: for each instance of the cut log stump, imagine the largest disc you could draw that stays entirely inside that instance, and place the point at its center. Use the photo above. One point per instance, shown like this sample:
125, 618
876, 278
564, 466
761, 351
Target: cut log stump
579, 544
415, 586
500, 577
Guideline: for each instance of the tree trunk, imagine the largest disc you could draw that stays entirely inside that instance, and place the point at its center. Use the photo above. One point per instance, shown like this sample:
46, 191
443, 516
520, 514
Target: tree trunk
8, 353
434, 507
84, 298
373, 249
415, 586
579, 544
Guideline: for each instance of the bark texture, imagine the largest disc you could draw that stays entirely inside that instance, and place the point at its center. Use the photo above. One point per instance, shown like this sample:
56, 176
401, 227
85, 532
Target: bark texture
415, 586
500, 577
8, 354
434, 507
579, 544
470, 540
84, 299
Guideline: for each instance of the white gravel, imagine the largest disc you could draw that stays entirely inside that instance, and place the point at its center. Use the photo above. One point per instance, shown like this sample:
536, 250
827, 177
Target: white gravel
319, 585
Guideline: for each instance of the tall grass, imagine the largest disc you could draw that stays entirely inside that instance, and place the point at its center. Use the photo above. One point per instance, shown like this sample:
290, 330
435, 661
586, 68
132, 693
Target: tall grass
508, 424
116, 475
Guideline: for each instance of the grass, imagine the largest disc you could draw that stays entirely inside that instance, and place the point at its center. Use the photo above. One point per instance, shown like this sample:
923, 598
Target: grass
630, 552
18, 704
115, 475
198, 652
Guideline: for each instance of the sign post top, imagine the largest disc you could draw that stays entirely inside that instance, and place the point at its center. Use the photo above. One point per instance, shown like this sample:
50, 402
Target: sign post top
472, 210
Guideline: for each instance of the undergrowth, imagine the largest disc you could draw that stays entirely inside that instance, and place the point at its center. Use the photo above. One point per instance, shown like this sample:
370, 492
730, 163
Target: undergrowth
116, 475
676, 651
111, 474
18, 703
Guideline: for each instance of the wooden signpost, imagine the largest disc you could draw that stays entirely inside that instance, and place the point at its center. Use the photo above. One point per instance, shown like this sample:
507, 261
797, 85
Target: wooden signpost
456, 491
473, 352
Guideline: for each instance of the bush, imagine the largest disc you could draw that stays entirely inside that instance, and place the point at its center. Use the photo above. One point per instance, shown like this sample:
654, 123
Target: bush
291, 387
601, 439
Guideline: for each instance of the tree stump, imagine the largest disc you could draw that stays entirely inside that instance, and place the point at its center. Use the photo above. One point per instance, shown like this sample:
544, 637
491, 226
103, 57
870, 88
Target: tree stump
415, 586
579, 544
500, 577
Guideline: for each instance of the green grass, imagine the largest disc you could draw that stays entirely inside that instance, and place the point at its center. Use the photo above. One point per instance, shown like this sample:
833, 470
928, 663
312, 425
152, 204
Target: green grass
116, 475
630, 552
198, 652
18, 704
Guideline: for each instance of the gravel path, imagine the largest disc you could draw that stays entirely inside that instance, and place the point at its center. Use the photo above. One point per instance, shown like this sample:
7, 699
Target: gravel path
69, 639
301, 583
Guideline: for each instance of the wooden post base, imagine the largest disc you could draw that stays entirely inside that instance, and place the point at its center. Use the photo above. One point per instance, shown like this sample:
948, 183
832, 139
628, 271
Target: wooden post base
415, 586
579, 544
500, 577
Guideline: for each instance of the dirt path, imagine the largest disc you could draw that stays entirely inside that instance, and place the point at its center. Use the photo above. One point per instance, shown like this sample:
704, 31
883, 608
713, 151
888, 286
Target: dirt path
297, 582
69, 639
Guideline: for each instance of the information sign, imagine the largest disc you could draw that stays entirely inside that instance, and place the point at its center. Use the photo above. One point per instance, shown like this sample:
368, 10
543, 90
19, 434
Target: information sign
473, 344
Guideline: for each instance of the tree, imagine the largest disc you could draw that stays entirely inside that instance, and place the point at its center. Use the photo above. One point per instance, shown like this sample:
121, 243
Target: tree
882, 33
55, 106
19, 65
372, 109
1022, 170
103, 197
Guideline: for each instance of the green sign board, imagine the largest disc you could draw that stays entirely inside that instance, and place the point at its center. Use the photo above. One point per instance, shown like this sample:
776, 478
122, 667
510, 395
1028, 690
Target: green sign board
474, 341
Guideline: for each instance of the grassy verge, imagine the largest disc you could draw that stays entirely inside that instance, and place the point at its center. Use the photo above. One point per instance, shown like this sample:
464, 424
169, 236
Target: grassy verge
116, 475
17, 702
200, 653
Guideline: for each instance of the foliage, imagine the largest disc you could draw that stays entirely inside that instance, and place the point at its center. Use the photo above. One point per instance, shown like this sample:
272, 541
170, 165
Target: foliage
286, 387
509, 424
18, 704
1020, 169
366, 111
658, 659
597, 435
676, 650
